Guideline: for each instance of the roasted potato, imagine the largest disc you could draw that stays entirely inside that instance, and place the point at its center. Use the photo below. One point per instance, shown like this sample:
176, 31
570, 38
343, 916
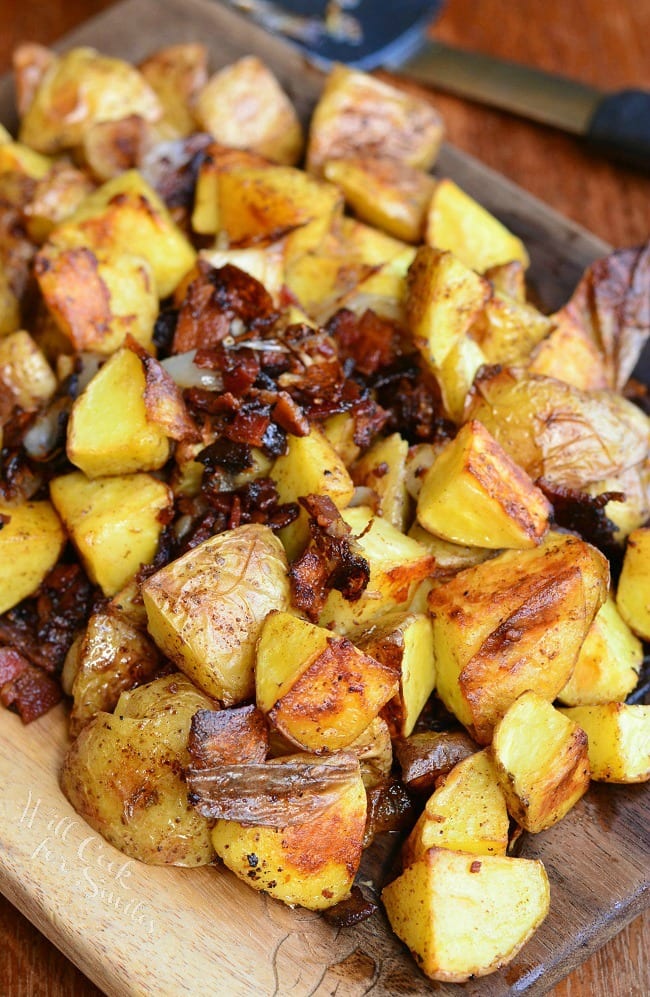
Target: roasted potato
31, 540
124, 775
206, 609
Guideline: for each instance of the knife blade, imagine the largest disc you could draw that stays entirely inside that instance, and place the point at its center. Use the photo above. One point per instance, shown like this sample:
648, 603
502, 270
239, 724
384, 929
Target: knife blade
366, 35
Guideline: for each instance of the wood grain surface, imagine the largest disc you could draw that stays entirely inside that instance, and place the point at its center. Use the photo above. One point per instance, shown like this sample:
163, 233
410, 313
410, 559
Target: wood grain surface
601, 43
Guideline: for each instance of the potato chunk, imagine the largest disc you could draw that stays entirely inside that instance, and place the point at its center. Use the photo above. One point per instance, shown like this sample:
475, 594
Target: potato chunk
123, 775
98, 298
311, 862
176, 74
25, 370
619, 740
397, 565
609, 662
463, 916
319, 690
541, 761
476, 496
244, 106
81, 88
115, 523
111, 657
383, 468
467, 813
460, 224
514, 623
444, 298
384, 192
125, 215
108, 431
633, 593
404, 643
358, 114
556, 432
206, 609
31, 540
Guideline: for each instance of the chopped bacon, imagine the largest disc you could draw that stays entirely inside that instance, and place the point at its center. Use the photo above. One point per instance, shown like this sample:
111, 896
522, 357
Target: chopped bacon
330, 561
584, 513
370, 341
216, 297
31, 693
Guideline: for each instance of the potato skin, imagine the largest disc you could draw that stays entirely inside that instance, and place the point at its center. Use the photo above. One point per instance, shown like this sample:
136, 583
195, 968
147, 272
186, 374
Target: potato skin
123, 775
206, 609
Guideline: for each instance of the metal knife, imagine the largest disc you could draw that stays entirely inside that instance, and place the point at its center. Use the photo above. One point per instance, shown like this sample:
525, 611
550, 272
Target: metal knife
368, 34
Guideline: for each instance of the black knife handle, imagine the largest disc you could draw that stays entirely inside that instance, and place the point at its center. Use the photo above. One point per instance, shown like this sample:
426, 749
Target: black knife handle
620, 128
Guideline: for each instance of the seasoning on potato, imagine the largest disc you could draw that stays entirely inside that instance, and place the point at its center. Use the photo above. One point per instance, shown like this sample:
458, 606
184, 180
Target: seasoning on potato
303, 504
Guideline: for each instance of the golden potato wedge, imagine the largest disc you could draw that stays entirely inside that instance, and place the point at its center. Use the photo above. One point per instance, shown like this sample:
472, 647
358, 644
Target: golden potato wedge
317, 689
568, 354
618, 740
609, 662
383, 468
218, 159
358, 114
176, 74
476, 496
125, 215
405, 644
339, 432
206, 609
514, 623
456, 374
541, 762
508, 279
455, 221
78, 89
397, 565
115, 523
109, 432
112, 656
124, 775
310, 466
556, 432
386, 193
507, 330
450, 558
278, 202
443, 300
312, 862
463, 916
111, 147
9, 306
24, 370
56, 196
633, 592
31, 540
466, 813
374, 749
244, 106
98, 298
30, 61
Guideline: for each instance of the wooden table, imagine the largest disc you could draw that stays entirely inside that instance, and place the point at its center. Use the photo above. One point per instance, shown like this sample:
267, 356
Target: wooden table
601, 43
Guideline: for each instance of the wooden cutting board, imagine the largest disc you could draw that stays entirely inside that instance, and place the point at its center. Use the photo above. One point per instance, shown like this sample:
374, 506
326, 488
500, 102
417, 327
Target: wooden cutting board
137, 929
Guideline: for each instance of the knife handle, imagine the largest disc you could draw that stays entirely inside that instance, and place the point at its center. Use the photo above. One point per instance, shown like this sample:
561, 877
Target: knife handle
620, 128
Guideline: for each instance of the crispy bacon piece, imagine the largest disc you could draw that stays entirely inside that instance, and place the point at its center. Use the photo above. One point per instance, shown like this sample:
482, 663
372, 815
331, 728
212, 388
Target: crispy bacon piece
42, 628
577, 510
27, 690
355, 909
369, 341
216, 297
330, 561
389, 809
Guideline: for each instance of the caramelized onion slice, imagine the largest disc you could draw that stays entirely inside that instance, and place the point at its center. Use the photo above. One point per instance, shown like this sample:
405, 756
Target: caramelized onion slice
279, 793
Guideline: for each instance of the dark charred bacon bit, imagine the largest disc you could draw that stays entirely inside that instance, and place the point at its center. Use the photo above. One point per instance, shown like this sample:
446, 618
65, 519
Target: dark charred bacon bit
225, 737
12, 664
584, 513
355, 909
414, 406
173, 171
164, 329
249, 424
18, 481
241, 369
330, 561
31, 694
43, 627
226, 454
254, 502
289, 416
316, 375
370, 341
214, 298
